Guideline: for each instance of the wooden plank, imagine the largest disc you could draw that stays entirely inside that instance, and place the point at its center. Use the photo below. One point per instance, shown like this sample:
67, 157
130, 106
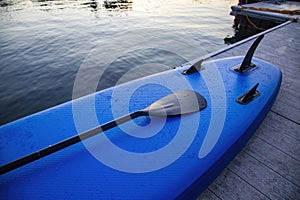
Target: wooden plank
279, 162
278, 134
290, 68
284, 168
263, 179
283, 125
208, 195
230, 186
287, 103
275, 159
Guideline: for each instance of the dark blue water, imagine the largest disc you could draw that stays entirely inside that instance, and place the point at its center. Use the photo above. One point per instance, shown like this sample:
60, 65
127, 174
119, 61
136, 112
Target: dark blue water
45, 46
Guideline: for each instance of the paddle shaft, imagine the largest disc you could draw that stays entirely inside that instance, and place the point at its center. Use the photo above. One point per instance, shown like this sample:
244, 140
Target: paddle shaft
68, 142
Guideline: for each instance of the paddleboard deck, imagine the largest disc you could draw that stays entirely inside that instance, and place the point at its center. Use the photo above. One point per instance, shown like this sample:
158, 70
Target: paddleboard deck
148, 157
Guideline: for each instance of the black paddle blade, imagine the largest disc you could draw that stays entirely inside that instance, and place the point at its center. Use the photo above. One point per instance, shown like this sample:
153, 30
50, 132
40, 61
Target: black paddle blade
179, 103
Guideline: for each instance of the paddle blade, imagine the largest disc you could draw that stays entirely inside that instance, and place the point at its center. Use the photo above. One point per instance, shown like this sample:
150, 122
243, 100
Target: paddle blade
179, 103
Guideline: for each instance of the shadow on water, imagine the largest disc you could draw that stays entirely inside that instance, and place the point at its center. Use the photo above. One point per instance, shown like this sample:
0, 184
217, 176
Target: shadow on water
110, 4
117, 4
92, 4
5, 3
62, 4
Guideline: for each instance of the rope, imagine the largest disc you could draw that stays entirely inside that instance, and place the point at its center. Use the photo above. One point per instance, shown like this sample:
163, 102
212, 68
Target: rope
252, 23
287, 12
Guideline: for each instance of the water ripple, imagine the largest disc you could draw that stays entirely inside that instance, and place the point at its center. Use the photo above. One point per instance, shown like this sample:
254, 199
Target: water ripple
43, 43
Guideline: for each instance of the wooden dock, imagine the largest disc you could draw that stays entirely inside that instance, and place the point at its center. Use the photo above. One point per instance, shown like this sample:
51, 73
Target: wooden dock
268, 167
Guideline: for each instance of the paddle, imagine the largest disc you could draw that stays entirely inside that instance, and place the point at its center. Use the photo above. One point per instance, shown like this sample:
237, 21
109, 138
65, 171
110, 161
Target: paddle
179, 103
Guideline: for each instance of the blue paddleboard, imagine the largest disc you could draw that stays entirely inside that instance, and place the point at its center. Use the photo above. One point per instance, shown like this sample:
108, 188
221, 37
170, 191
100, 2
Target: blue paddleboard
148, 157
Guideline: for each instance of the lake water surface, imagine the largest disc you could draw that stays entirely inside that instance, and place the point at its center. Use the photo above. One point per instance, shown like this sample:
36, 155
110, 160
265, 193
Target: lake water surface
43, 44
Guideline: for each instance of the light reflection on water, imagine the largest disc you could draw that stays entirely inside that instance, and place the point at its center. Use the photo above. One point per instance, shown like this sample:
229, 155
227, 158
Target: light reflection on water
44, 43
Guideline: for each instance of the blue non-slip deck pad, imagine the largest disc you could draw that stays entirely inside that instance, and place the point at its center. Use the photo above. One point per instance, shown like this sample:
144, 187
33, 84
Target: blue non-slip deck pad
148, 157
